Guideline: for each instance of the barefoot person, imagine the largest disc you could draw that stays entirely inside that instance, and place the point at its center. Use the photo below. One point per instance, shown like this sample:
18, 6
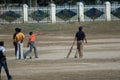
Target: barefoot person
3, 62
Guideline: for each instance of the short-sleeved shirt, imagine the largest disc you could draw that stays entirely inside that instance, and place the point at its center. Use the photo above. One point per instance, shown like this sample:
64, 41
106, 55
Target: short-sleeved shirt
14, 35
2, 49
80, 35
2, 52
20, 37
32, 38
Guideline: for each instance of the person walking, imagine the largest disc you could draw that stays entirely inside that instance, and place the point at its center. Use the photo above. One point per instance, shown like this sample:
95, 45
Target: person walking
3, 62
19, 38
80, 37
14, 42
31, 45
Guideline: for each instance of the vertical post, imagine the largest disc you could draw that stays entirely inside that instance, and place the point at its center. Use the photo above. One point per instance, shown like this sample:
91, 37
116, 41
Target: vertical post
80, 11
53, 13
30, 4
108, 11
25, 13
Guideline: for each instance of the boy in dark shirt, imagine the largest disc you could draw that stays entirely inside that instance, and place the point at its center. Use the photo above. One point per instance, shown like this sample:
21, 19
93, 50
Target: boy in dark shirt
3, 62
14, 42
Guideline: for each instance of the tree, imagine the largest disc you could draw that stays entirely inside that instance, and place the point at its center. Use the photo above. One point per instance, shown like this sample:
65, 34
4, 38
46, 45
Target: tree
57, 2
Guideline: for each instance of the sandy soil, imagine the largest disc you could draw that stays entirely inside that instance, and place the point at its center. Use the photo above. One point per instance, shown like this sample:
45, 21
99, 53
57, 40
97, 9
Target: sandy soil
101, 60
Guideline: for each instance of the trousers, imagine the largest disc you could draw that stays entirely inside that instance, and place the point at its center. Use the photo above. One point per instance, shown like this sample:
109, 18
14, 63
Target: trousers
80, 48
19, 50
4, 65
31, 46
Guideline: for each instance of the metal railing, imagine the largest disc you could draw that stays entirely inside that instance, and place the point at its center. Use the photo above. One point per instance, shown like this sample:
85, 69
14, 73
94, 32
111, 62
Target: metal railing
68, 13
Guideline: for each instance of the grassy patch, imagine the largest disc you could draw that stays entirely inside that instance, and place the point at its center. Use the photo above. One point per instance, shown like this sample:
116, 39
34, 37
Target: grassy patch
91, 28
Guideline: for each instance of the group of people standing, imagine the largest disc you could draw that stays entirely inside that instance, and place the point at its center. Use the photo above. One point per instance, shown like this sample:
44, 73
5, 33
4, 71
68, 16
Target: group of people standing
18, 38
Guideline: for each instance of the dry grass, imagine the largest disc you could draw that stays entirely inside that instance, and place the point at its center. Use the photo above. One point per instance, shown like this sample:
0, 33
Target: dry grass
91, 28
32, 69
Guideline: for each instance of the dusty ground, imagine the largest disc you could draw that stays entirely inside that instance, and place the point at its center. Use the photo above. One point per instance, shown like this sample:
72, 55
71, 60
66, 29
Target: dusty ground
101, 59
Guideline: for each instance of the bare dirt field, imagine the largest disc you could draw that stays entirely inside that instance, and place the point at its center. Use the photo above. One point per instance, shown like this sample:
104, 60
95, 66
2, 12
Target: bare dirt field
101, 60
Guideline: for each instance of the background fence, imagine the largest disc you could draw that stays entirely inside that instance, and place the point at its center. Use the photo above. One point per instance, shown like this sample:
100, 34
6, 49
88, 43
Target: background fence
55, 14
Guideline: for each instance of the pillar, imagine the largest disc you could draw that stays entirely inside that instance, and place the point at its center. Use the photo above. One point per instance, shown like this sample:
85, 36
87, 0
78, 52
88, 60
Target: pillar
80, 11
53, 13
25, 13
108, 11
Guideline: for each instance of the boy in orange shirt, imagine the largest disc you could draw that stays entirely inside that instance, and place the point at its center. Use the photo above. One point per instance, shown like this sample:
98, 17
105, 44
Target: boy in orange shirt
31, 45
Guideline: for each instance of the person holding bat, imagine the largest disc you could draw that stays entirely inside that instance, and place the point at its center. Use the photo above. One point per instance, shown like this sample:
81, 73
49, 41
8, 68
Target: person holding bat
80, 37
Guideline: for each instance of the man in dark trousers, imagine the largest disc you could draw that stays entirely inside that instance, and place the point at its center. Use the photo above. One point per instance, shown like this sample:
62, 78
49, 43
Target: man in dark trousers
14, 42
80, 37
3, 62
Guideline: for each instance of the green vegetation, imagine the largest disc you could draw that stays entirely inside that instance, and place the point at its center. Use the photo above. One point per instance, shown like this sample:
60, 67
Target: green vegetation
58, 2
91, 28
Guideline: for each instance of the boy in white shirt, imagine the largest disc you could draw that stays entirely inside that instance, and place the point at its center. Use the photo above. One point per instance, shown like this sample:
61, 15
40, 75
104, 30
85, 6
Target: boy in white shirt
3, 62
